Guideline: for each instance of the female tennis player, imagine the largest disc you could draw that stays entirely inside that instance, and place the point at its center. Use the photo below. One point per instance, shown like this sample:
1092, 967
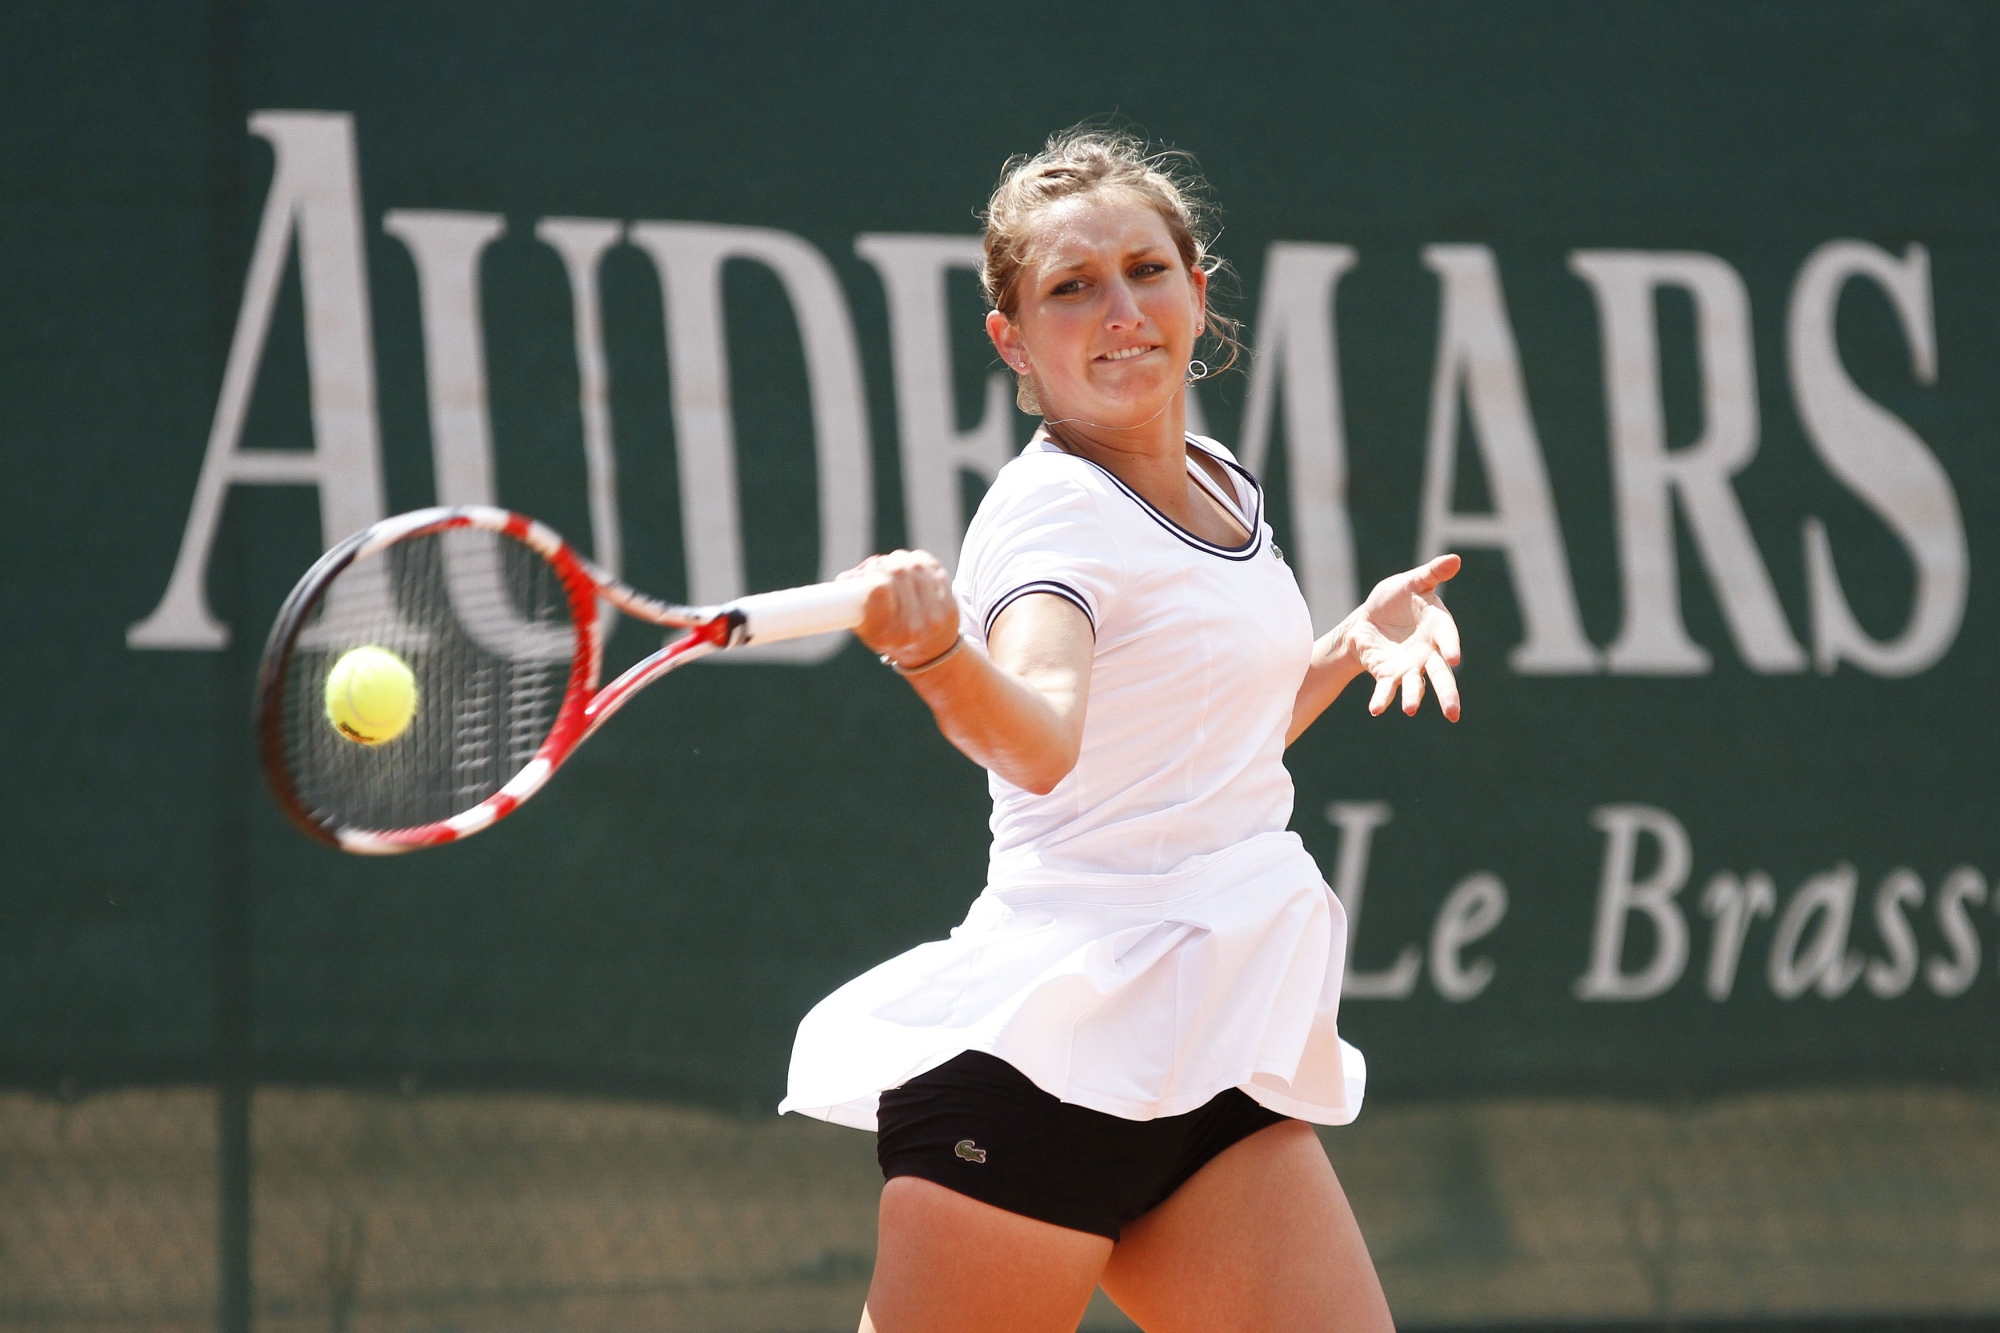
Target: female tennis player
1105, 1075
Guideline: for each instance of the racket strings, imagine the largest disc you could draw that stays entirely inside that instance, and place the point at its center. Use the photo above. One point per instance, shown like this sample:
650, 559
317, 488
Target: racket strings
484, 625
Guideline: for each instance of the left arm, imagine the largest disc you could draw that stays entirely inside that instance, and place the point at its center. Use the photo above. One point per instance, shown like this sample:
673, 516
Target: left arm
1399, 635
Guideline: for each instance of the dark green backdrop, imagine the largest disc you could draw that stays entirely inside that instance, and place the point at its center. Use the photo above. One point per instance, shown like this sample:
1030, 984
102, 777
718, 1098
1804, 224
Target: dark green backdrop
744, 839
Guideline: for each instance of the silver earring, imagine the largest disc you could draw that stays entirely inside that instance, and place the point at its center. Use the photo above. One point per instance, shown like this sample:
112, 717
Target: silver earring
1197, 370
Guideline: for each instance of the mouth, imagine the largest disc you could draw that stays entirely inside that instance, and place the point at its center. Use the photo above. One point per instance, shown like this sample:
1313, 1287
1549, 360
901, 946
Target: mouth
1127, 353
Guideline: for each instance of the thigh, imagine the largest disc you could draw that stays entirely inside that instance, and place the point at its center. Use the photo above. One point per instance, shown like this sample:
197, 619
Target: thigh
946, 1263
1261, 1239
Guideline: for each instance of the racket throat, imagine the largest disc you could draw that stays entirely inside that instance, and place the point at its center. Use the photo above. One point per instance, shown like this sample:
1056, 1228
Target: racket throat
709, 637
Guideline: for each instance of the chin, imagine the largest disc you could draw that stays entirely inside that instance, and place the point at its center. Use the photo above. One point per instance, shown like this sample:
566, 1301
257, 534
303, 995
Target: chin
1121, 414
1132, 406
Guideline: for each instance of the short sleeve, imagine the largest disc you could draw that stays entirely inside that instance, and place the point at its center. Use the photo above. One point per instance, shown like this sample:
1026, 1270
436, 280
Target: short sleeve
1035, 533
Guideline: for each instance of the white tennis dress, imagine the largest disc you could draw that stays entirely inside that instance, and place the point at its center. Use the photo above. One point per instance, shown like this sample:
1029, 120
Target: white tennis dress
1150, 934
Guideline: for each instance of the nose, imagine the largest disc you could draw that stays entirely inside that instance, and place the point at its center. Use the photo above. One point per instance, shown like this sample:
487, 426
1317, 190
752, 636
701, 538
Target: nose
1121, 308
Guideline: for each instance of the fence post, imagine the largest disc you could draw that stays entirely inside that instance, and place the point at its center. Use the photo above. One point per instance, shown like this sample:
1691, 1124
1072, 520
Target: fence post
227, 118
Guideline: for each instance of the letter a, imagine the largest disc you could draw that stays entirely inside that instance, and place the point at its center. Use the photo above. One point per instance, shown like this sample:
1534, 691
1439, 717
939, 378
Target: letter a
1476, 351
314, 193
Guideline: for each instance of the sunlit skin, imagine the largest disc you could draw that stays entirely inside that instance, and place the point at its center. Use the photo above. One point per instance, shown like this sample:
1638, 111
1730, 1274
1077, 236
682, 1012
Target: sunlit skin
1261, 1238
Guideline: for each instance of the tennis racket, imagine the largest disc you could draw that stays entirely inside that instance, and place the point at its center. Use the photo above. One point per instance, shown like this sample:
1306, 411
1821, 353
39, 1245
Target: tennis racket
493, 629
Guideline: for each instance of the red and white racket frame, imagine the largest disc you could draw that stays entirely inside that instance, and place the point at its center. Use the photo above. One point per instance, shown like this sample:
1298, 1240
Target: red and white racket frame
760, 618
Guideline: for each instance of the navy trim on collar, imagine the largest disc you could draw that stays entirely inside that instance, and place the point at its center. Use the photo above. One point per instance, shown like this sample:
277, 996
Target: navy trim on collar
1244, 552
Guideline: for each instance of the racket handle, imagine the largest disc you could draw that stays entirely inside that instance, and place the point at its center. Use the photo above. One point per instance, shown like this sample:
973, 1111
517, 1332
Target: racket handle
794, 613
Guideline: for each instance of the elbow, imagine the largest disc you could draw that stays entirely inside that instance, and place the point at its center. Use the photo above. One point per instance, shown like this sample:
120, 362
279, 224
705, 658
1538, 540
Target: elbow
1046, 775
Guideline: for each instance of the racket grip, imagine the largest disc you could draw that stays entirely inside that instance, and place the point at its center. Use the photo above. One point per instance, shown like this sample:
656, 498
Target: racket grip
794, 613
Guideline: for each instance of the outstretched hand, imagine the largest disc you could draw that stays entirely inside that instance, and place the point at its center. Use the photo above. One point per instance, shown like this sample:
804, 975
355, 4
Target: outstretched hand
1402, 633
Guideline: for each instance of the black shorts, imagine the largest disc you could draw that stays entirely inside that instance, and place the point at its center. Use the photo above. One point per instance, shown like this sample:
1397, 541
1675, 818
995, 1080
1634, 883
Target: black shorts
976, 1125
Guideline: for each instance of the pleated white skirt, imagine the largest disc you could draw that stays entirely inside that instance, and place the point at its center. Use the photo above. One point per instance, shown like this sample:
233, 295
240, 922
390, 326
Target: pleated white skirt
1136, 995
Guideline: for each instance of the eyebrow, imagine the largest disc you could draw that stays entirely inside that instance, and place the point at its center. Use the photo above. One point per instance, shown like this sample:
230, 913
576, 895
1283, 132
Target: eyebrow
1134, 253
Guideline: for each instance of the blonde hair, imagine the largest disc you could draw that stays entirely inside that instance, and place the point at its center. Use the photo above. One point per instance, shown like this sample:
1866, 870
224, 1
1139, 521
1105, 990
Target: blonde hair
1084, 160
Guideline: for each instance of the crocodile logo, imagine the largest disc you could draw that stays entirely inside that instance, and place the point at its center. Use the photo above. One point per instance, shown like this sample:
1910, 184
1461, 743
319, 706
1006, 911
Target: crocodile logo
969, 1150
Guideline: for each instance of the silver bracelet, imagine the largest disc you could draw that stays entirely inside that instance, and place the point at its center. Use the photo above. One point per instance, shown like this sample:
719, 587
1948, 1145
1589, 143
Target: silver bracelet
922, 667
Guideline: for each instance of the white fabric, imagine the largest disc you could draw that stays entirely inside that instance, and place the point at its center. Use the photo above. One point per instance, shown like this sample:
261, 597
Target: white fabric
1150, 934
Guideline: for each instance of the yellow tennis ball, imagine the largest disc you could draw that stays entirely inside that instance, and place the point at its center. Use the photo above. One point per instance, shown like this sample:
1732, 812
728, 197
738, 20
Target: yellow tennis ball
371, 695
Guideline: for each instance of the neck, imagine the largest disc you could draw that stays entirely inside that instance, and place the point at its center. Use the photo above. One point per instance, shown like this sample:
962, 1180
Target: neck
1155, 447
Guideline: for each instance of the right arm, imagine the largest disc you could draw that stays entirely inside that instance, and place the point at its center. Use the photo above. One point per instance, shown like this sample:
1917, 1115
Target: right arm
1017, 712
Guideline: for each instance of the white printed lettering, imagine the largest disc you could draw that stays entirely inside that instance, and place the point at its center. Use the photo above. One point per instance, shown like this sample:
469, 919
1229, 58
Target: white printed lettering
1953, 976
934, 450
1880, 459
1619, 895
1471, 911
582, 242
1735, 904
690, 257
1647, 476
1476, 357
1357, 822
447, 248
1822, 962
316, 195
1899, 889
1296, 342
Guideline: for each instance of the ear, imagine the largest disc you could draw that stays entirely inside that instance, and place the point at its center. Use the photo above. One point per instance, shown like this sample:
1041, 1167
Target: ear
1199, 278
1007, 341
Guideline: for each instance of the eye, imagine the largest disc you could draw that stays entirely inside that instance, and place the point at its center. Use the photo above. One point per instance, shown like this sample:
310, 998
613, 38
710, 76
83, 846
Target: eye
1069, 288
1151, 268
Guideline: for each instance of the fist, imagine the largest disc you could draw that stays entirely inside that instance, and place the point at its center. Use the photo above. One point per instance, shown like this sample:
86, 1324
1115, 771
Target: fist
911, 615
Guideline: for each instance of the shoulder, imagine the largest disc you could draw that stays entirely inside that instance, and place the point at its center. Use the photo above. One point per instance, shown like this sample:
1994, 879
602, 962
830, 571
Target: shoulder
1043, 526
1041, 467
1045, 483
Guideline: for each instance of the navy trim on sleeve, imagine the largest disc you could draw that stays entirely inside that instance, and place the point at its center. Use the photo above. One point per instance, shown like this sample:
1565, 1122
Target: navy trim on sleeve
1061, 590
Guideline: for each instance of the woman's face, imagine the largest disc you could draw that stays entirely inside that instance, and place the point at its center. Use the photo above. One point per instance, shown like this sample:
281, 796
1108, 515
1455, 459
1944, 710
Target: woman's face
1108, 312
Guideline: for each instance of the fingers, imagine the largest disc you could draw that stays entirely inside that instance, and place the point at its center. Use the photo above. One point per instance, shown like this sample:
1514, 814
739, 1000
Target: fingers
1446, 685
1410, 684
1422, 581
1433, 572
1444, 633
1416, 664
1388, 664
1413, 692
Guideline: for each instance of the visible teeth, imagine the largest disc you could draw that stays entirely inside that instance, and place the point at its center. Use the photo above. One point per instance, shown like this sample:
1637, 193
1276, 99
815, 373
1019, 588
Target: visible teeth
1127, 354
